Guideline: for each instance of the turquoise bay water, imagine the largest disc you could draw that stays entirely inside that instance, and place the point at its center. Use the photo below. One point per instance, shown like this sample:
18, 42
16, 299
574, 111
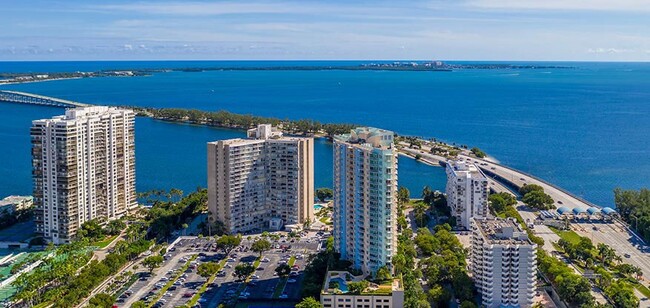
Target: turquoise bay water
585, 129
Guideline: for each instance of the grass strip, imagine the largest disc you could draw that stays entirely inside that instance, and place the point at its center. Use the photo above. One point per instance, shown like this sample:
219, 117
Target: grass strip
283, 281
204, 287
164, 289
105, 242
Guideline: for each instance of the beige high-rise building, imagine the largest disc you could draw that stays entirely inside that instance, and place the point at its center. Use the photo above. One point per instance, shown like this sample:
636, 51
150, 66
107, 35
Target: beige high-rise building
263, 182
83, 168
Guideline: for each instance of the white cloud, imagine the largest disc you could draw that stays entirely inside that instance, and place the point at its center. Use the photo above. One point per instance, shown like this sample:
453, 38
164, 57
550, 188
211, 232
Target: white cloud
573, 5
610, 50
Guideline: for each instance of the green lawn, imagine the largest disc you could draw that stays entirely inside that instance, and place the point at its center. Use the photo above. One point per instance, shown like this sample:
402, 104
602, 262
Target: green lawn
568, 235
105, 242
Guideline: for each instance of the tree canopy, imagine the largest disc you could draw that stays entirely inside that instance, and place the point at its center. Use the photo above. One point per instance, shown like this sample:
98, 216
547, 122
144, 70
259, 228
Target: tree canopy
228, 242
207, 269
261, 246
324, 193
309, 302
244, 270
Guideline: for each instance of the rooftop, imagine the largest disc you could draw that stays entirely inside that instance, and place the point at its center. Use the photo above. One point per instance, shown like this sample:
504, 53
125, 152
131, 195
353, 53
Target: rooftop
501, 231
336, 282
15, 200
369, 137
465, 168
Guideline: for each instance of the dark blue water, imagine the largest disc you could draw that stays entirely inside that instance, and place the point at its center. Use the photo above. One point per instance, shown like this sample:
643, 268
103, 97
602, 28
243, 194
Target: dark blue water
167, 154
585, 129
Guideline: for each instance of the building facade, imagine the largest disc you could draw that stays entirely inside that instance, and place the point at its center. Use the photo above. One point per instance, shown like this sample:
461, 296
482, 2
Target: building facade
365, 197
503, 263
83, 168
12, 204
263, 182
467, 192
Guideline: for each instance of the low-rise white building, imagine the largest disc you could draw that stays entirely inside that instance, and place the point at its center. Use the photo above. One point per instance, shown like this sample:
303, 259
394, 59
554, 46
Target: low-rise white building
503, 263
335, 293
16, 203
467, 192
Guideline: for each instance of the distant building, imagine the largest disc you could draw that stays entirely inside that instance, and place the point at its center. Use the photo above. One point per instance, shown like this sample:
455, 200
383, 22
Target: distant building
335, 293
16, 203
503, 263
467, 192
83, 168
365, 197
261, 183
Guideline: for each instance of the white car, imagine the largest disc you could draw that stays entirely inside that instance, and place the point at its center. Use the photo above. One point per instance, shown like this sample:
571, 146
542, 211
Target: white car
255, 277
284, 296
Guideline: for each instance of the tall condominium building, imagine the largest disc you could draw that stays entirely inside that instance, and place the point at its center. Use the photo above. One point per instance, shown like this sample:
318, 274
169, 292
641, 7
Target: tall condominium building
83, 168
365, 197
467, 192
503, 263
266, 181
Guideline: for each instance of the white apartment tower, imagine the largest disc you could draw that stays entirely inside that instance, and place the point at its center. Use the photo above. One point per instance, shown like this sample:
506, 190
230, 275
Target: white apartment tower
262, 182
503, 263
467, 192
365, 197
83, 168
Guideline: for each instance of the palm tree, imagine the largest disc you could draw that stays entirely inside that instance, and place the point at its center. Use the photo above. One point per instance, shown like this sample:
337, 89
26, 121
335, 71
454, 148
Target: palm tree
605, 253
420, 210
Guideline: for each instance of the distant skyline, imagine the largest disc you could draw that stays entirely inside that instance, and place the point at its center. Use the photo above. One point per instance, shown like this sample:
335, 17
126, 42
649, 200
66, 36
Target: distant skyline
538, 30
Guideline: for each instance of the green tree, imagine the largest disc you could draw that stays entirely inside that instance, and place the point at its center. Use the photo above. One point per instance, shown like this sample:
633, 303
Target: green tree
622, 295
420, 213
467, 304
538, 200
383, 274
403, 195
324, 193
151, 262
114, 227
228, 242
358, 287
500, 201
606, 254
244, 270
261, 246
139, 304
478, 152
102, 300
529, 188
309, 302
91, 230
207, 269
283, 270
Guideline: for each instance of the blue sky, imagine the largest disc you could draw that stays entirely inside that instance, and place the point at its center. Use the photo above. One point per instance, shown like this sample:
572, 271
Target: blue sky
585, 30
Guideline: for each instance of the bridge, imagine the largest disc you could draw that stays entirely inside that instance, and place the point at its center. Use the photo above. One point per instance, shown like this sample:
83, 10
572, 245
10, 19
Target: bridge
35, 99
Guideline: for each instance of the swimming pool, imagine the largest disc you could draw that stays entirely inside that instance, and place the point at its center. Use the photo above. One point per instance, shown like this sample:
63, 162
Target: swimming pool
343, 286
318, 207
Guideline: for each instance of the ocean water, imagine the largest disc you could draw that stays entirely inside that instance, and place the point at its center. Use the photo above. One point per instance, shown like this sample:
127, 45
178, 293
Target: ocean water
168, 155
585, 128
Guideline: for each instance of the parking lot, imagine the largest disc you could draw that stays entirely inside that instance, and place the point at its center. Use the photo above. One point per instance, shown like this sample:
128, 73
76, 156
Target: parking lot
263, 284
